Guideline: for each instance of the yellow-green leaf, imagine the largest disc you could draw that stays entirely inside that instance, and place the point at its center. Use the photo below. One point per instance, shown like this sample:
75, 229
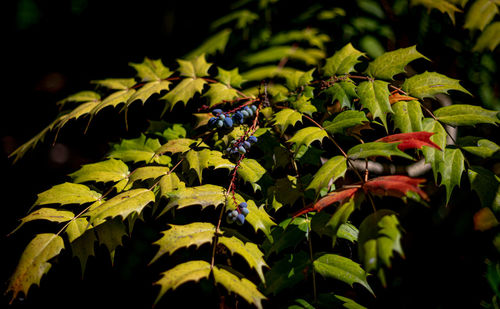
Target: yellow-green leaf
204, 196
345, 120
218, 93
140, 149
82, 96
374, 96
489, 39
180, 236
147, 90
180, 274
428, 84
196, 67
178, 145
242, 287
407, 116
466, 115
170, 183
303, 105
200, 160
343, 61
432, 155
113, 100
67, 193
444, 6
287, 117
116, 83
212, 45
111, 170
251, 171
122, 205
394, 62
298, 79
480, 14
308, 135
230, 78
151, 70
249, 251
146, 172
49, 214
183, 92
330, 171
258, 218
33, 263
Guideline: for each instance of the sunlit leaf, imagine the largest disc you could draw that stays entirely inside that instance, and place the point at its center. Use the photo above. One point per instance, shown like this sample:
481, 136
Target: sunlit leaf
466, 115
428, 84
242, 287
344, 120
258, 218
432, 155
451, 169
219, 93
251, 171
308, 135
342, 62
480, 14
444, 6
407, 116
249, 251
374, 96
395, 185
230, 78
67, 193
204, 196
140, 149
343, 91
394, 62
49, 214
212, 45
287, 117
183, 92
151, 70
376, 149
298, 79
329, 172
489, 39
194, 68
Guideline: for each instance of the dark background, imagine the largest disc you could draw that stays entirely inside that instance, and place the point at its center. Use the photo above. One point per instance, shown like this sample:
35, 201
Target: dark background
54, 48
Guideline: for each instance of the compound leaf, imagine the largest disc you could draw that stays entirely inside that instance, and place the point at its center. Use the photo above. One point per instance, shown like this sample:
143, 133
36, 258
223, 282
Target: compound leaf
341, 268
151, 70
140, 149
180, 236
251, 171
218, 93
180, 274
67, 193
428, 84
111, 170
49, 214
178, 145
343, 91
113, 100
146, 172
196, 67
483, 148
34, 263
304, 106
296, 79
287, 117
394, 62
116, 83
205, 195
183, 92
249, 251
147, 90
308, 135
230, 78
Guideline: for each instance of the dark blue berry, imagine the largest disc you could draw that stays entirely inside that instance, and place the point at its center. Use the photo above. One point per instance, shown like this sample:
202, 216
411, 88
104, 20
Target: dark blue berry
245, 211
220, 123
216, 112
243, 205
252, 139
240, 219
228, 122
212, 121
247, 145
222, 116
234, 213
242, 150
253, 107
245, 114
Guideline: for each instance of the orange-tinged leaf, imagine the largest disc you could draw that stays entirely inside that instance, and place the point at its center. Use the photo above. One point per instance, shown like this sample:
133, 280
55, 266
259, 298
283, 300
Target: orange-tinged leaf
395, 185
396, 97
484, 219
410, 140
337, 196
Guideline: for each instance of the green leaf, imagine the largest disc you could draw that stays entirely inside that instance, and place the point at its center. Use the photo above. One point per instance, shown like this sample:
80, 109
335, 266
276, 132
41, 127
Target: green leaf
67, 193
487, 186
375, 149
480, 14
24, 148
147, 90
76, 228
111, 170
174, 131
33, 263
308, 135
451, 169
374, 96
394, 62
183, 92
428, 84
251, 171
116, 83
122, 205
249, 251
483, 148
266, 72
432, 155
287, 117
180, 274
304, 106
342, 62
289, 234
170, 183
180, 236
151, 70
212, 45
311, 35
230, 78
379, 236
348, 231
298, 79
489, 39
82, 96
197, 67
243, 18
329, 172
344, 120
146, 172
287, 272
200, 160
110, 233
342, 91
258, 218
466, 115
218, 93
178, 145
242, 287
339, 217
310, 56
79, 111
284, 192
407, 116
341, 268
444, 6
113, 100
205, 195
49, 214
82, 241
140, 149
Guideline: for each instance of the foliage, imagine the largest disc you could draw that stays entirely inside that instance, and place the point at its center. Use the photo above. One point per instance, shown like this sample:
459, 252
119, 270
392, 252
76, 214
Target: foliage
281, 149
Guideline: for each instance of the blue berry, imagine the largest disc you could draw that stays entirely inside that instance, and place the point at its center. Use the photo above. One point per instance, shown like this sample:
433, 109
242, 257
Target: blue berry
220, 123
243, 205
242, 150
212, 121
247, 145
240, 219
230, 219
253, 107
216, 112
252, 139
228, 122
222, 116
245, 211
245, 114
234, 213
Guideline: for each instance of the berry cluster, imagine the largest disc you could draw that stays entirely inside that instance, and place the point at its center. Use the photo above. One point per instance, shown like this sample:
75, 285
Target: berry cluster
238, 216
224, 120
241, 146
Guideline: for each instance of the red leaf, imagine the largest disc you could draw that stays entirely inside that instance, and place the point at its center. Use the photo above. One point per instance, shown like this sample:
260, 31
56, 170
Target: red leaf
339, 196
410, 140
396, 97
396, 185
